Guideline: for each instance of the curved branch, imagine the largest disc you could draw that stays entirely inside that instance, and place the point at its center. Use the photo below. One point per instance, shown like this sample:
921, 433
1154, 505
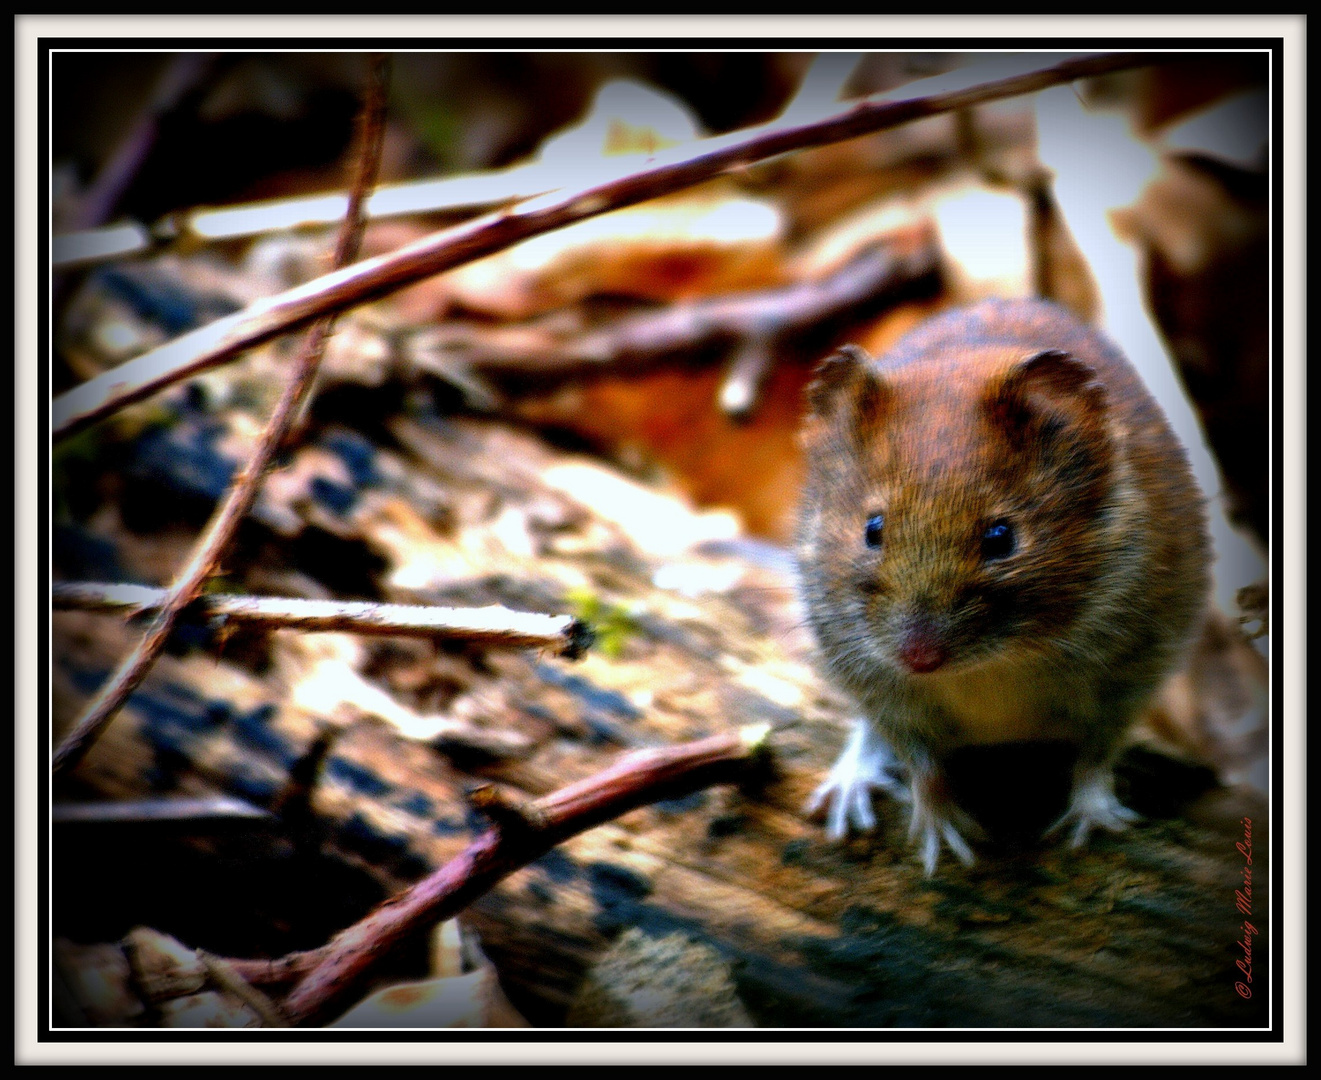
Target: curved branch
521, 833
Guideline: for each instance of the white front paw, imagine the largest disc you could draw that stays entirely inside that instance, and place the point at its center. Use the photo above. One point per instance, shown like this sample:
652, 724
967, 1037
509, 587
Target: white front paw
866, 763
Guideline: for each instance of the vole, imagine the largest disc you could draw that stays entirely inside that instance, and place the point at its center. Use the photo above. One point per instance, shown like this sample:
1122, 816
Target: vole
999, 539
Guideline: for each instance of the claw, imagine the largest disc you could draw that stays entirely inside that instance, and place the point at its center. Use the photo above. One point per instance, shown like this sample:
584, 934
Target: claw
1094, 805
866, 763
929, 827
936, 818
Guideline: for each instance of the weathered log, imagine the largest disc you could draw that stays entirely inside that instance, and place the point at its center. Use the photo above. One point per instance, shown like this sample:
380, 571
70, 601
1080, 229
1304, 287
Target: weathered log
1139, 930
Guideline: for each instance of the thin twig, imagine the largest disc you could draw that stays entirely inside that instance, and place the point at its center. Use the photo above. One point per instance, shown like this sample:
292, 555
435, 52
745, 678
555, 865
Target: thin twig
674, 170
243, 493
749, 367
765, 319
455, 197
489, 627
516, 840
209, 808
181, 75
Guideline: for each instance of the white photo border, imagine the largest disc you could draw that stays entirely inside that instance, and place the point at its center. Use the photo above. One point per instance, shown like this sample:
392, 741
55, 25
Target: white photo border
761, 32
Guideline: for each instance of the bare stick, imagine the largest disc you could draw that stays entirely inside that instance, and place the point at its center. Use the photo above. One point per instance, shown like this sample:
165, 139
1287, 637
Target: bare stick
748, 368
455, 197
86, 242
763, 320
676, 169
243, 493
489, 627
210, 808
522, 835
181, 74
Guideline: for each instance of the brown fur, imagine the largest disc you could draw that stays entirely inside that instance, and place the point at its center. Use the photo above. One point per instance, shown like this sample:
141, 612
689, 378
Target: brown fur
1009, 411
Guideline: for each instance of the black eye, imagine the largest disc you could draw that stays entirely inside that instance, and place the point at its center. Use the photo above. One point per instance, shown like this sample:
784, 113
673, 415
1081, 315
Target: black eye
998, 541
875, 530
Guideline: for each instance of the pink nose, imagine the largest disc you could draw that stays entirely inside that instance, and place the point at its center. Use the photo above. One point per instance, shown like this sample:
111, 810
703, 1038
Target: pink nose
921, 649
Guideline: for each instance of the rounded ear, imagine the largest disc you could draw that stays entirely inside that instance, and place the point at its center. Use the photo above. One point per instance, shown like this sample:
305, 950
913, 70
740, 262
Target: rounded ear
1047, 390
847, 380
1054, 371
